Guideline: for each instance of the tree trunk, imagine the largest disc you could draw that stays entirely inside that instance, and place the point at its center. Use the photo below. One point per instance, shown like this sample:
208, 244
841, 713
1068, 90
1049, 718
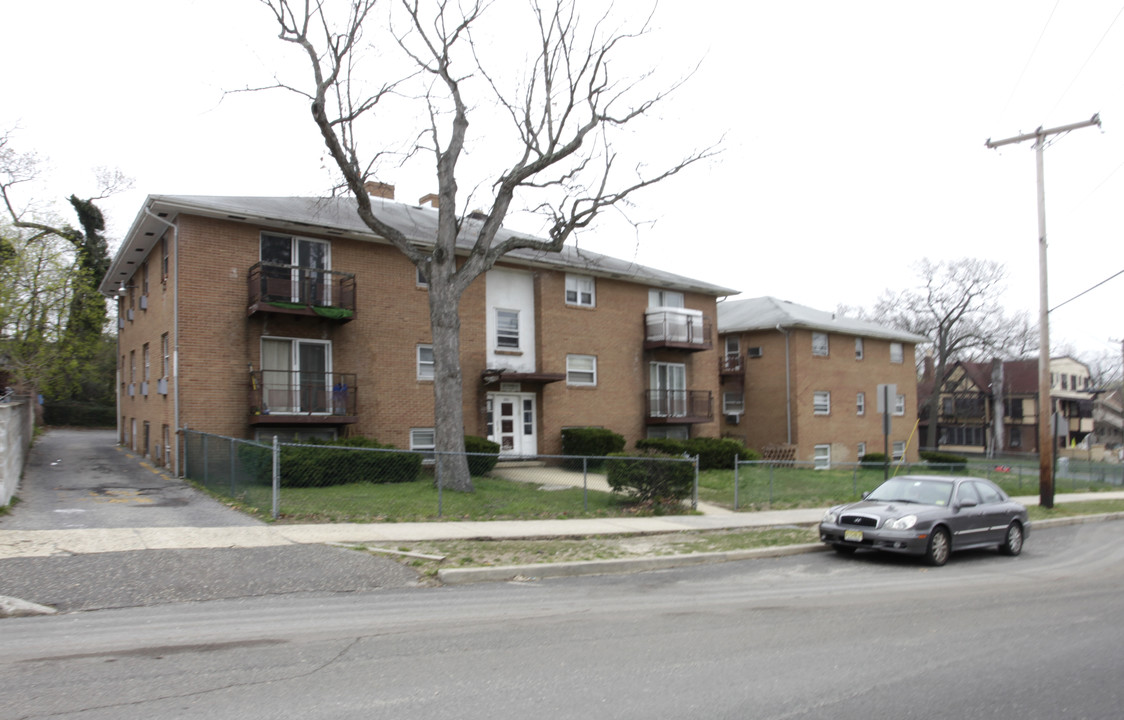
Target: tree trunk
448, 406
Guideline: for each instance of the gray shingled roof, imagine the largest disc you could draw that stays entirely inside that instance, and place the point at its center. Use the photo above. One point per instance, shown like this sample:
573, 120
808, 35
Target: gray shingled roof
767, 313
338, 216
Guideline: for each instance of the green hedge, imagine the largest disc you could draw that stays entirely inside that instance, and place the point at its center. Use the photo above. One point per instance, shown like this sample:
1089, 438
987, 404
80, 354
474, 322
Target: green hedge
873, 460
956, 462
338, 462
483, 454
713, 453
80, 414
592, 442
650, 478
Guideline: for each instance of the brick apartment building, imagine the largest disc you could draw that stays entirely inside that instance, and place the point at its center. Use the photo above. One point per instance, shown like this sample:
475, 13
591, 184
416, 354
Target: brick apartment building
254, 317
993, 406
802, 383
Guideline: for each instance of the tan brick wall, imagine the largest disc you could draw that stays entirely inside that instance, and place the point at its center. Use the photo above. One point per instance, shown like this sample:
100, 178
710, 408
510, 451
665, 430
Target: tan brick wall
841, 374
218, 343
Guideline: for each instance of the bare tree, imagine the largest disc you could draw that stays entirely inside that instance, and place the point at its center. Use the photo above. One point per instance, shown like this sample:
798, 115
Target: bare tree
556, 155
957, 307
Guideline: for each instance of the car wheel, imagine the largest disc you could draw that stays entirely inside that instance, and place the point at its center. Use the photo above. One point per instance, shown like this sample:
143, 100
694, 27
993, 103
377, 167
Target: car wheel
938, 550
1013, 540
844, 549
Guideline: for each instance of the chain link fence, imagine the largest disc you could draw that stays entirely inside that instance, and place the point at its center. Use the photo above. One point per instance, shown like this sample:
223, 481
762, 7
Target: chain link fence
759, 484
338, 483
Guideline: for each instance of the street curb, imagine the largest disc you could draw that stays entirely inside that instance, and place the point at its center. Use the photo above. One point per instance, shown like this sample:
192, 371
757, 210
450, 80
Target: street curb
523, 573
14, 607
464, 576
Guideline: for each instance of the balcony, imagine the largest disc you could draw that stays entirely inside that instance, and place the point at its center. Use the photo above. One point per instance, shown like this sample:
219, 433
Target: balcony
678, 407
731, 364
676, 328
294, 290
282, 397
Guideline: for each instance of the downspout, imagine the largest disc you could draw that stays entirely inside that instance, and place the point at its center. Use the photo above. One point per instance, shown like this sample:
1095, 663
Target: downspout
175, 337
787, 387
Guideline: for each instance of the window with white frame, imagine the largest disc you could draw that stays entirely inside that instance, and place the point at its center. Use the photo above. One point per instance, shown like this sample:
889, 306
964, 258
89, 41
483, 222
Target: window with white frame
819, 344
665, 298
899, 451
507, 329
422, 439
579, 291
425, 362
821, 402
166, 356
821, 457
862, 450
897, 353
899, 404
858, 348
860, 403
420, 280
581, 370
733, 403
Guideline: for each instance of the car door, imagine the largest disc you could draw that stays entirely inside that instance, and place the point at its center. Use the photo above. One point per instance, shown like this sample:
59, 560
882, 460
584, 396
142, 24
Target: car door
993, 511
967, 521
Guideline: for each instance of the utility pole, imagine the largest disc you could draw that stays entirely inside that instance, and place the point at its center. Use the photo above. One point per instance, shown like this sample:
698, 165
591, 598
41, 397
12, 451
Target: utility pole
1046, 433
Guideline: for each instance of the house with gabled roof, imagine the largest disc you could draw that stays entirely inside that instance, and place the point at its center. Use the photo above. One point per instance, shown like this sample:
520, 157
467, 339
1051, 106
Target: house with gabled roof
255, 317
992, 407
802, 384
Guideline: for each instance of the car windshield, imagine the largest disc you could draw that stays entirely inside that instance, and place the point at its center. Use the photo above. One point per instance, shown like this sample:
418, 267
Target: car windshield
913, 490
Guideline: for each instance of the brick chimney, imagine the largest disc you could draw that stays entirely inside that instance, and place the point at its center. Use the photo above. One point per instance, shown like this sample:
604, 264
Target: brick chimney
379, 190
430, 199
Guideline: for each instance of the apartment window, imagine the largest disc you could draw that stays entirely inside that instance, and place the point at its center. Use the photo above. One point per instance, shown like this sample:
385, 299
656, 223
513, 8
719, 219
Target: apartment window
297, 376
164, 261
144, 352
422, 440
665, 298
425, 362
1016, 435
821, 457
420, 279
581, 370
860, 403
144, 278
1065, 382
821, 402
164, 353
858, 348
507, 329
819, 344
295, 268
898, 451
132, 366
899, 404
733, 403
897, 354
862, 450
579, 291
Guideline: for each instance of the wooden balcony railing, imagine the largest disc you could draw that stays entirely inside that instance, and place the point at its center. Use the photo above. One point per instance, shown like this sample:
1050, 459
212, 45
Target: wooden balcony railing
287, 397
674, 407
295, 290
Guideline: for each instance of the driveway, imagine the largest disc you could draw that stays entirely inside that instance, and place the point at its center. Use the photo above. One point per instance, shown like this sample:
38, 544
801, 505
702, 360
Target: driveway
79, 480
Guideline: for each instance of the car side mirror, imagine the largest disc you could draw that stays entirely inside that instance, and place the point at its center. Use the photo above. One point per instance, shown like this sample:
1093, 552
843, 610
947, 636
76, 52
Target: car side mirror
865, 494
968, 503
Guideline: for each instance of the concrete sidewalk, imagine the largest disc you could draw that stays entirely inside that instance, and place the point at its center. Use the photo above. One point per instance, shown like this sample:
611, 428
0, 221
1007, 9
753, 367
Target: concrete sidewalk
47, 543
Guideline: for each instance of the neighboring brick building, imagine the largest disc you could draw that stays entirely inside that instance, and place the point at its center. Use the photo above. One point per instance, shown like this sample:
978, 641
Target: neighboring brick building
251, 317
803, 383
993, 406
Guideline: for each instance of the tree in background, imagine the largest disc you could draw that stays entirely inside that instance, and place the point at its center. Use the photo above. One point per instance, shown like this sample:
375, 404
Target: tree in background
52, 318
957, 306
549, 77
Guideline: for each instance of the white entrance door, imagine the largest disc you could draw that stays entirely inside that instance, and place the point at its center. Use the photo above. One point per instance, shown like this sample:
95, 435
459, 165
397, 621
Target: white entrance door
511, 423
667, 389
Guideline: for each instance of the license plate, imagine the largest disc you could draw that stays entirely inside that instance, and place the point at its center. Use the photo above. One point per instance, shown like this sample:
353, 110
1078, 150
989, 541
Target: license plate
853, 535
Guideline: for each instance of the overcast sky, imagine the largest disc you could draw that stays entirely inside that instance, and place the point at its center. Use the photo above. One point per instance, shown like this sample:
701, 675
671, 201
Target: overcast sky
854, 136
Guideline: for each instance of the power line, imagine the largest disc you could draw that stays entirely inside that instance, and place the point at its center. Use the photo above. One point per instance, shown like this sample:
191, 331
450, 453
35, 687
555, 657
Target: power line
1082, 68
1029, 59
1085, 292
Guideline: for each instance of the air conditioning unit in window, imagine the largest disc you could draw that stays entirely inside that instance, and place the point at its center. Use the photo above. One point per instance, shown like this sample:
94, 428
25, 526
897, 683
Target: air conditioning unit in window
733, 419
753, 352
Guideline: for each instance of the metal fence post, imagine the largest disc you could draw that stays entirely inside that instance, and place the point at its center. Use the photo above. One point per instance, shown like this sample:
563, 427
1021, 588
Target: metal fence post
276, 477
735, 482
233, 449
437, 471
206, 463
855, 480
695, 493
585, 483
770, 485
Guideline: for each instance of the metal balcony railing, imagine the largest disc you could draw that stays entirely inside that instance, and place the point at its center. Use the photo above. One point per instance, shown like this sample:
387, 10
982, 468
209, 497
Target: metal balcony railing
678, 406
301, 291
283, 396
731, 364
676, 328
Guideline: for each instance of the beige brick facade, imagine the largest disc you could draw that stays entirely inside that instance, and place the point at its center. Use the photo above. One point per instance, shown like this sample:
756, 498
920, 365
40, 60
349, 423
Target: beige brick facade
218, 345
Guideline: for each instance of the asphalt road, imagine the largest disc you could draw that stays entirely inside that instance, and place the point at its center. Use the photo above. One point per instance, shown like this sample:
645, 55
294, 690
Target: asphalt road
817, 636
79, 479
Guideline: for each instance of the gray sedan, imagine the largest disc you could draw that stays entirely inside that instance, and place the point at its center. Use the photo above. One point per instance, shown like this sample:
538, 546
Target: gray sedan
929, 516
